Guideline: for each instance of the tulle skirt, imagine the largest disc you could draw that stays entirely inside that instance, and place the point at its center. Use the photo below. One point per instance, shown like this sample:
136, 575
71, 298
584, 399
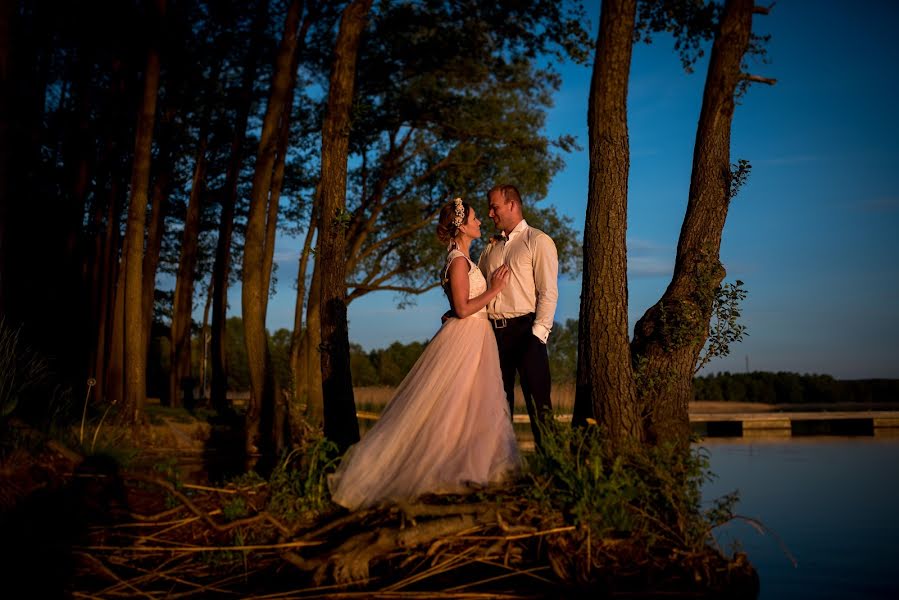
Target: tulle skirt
446, 430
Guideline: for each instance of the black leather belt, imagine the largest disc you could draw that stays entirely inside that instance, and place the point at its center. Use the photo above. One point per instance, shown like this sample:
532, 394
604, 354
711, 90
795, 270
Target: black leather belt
502, 323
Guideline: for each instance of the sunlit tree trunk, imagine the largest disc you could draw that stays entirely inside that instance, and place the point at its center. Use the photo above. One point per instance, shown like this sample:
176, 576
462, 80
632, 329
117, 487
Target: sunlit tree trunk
222, 266
135, 346
671, 334
182, 307
254, 295
204, 344
605, 383
158, 207
298, 340
341, 424
311, 350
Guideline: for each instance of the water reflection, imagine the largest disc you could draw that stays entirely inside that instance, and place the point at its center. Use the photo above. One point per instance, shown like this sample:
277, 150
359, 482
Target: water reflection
832, 501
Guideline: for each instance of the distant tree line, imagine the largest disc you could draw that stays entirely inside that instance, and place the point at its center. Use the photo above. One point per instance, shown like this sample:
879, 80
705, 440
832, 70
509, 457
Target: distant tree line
783, 388
378, 367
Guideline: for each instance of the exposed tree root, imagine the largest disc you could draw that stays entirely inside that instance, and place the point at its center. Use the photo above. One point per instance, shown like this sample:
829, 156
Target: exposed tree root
175, 541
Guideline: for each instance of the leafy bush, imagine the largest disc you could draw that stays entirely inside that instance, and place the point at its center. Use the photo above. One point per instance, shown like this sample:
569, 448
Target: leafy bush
647, 493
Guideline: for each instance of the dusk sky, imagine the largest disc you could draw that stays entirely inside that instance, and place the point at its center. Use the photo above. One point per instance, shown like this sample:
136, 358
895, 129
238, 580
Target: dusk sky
813, 234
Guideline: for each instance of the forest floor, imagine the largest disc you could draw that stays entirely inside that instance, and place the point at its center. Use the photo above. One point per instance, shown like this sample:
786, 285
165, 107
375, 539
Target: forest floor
88, 526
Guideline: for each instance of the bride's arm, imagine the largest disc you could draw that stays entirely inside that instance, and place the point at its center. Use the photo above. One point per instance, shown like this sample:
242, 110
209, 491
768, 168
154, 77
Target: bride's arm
458, 279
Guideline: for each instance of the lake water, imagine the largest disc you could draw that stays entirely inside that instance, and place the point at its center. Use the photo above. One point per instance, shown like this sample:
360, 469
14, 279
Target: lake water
832, 501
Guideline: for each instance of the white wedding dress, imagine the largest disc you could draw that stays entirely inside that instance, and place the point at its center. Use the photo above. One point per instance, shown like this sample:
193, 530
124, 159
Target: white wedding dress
447, 428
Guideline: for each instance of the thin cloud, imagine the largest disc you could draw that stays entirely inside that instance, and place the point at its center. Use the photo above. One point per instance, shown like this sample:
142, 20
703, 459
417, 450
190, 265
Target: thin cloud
282, 256
880, 205
646, 258
787, 160
648, 267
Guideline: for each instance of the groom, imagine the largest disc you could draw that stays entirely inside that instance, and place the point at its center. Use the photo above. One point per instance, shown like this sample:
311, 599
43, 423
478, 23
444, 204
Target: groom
522, 314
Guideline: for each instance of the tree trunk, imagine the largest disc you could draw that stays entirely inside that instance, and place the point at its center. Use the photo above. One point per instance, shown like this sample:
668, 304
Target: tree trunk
311, 350
204, 345
670, 336
605, 379
341, 424
135, 347
254, 296
158, 208
182, 306
298, 337
7, 14
110, 331
222, 265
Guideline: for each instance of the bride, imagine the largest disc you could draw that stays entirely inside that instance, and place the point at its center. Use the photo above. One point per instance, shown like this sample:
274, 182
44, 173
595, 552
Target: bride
447, 428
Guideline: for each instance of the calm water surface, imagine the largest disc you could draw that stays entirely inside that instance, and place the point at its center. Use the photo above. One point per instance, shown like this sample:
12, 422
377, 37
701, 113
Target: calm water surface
832, 501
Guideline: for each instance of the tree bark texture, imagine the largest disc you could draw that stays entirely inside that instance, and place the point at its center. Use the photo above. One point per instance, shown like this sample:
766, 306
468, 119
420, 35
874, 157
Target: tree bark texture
605, 379
341, 425
222, 265
7, 14
311, 350
182, 307
297, 339
670, 335
158, 207
254, 295
135, 346
110, 331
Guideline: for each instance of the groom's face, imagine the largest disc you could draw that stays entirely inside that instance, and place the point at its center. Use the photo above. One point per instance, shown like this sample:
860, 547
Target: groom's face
500, 211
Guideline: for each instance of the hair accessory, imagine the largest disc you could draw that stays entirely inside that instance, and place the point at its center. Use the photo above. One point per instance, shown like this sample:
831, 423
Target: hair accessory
460, 212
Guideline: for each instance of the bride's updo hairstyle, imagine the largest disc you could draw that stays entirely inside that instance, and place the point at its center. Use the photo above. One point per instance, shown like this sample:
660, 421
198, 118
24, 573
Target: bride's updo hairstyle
449, 222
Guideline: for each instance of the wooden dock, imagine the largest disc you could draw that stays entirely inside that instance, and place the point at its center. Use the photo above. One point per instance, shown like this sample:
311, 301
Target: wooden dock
783, 423
768, 424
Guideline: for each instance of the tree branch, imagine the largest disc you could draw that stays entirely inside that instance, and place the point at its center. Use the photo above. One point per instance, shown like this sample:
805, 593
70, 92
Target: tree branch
361, 290
758, 79
398, 234
762, 10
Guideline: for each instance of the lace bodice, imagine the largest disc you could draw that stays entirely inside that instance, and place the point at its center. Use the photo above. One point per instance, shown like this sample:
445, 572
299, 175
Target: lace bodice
477, 285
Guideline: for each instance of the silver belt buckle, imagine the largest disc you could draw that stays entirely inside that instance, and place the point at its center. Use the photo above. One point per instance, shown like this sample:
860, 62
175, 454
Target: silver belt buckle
497, 325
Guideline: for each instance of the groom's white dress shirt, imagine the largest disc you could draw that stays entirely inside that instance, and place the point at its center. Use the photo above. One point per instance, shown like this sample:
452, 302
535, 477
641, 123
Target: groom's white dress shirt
533, 286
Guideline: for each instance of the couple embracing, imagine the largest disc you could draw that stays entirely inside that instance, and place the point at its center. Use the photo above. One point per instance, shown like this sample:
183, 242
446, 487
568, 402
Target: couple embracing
448, 428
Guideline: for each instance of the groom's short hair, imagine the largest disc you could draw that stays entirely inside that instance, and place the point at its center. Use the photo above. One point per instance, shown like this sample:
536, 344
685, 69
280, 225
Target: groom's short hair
509, 192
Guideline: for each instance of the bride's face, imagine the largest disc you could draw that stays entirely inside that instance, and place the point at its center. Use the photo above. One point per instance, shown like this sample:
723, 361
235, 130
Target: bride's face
473, 227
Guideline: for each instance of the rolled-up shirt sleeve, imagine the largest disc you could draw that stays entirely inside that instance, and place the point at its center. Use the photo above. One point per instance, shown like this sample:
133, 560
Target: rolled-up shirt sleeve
546, 280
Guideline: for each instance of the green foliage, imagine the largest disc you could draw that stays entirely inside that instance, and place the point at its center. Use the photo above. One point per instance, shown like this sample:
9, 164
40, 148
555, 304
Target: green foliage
451, 99
739, 174
724, 328
279, 347
364, 372
787, 388
20, 369
649, 493
299, 483
562, 350
235, 508
689, 22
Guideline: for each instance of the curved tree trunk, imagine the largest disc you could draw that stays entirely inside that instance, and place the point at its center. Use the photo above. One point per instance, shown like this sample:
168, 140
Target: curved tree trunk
605, 381
311, 350
254, 296
182, 306
298, 338
222, 265
158, 208
135, 346
341, 424
671, 334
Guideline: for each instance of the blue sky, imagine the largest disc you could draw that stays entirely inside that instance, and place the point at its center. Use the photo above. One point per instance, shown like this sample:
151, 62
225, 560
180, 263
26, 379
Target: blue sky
813, 234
